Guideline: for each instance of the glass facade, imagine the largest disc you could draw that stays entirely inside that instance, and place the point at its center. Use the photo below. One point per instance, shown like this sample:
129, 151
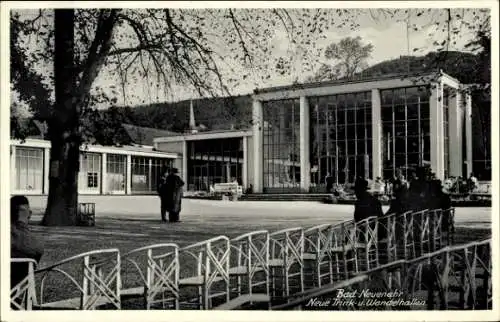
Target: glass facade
145, 172
340, 138
405, 129
89, 177
214, 161
116, 172
29, 169
281, 146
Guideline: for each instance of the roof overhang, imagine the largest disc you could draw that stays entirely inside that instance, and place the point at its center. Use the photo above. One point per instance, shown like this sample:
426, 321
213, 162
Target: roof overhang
33, 143
332, 88
204, 136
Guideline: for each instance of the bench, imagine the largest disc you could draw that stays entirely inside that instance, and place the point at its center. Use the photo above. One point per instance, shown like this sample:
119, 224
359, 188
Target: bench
286, 250
317, 248
86, 214
23, 294
93, 282
206, 268
229, 187
249, 267
157, 270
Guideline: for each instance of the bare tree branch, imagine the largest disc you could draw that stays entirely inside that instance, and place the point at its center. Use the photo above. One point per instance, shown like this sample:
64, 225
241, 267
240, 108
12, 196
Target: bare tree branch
139, 48
242, 42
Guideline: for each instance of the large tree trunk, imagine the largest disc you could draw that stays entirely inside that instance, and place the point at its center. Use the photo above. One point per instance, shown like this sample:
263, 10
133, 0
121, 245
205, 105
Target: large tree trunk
63, 128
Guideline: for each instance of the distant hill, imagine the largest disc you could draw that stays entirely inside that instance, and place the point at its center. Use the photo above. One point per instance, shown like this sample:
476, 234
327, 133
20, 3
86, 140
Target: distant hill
220, 113
460, 65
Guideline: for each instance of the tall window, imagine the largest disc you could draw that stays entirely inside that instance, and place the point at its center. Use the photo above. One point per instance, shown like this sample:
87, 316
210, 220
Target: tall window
341, 137
281, 146
406, 129
29, 169
140, 175
89, 176
116, 172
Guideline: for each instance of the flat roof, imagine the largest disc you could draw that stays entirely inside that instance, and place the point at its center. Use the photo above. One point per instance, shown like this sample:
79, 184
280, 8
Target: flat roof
222, 134
144, 151
382, 82
352, 81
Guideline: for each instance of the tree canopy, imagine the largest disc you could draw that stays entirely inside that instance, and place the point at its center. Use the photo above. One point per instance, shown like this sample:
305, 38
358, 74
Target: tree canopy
344, 59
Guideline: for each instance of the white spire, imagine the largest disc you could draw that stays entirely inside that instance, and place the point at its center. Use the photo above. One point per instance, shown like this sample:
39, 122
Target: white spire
192, 123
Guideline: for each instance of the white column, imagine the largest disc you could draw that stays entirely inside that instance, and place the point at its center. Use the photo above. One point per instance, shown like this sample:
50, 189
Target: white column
128, 180
468, 133
244, 166
150, 179
258, 126
436, 130
185, 164
104, 174
377, 136
13, 169
305, 165
440, 173
455, 134
46, 170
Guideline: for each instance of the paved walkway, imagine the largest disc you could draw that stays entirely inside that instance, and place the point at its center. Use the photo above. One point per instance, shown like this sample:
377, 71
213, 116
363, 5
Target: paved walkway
271, 213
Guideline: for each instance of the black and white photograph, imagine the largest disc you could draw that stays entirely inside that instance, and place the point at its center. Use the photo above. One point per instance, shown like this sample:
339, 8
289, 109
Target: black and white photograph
250, 156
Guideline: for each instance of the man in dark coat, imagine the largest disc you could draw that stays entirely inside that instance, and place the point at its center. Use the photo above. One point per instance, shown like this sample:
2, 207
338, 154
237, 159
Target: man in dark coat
23, 243
419, 194
173, 195
366, 205
162, 192
399, 194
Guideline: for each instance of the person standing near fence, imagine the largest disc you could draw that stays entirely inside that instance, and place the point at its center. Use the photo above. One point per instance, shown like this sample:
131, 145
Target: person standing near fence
399, 194
419, 196
173, 195
366, 205
23, 243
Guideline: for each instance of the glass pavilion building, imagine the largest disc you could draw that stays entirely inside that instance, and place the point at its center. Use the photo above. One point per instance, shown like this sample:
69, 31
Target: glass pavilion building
370, 128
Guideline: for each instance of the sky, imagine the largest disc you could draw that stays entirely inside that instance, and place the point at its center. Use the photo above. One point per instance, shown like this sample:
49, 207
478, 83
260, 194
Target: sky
390, 38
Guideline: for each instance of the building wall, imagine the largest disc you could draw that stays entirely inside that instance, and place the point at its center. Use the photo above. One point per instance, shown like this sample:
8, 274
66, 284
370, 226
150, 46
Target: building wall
172, 147
102, 170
